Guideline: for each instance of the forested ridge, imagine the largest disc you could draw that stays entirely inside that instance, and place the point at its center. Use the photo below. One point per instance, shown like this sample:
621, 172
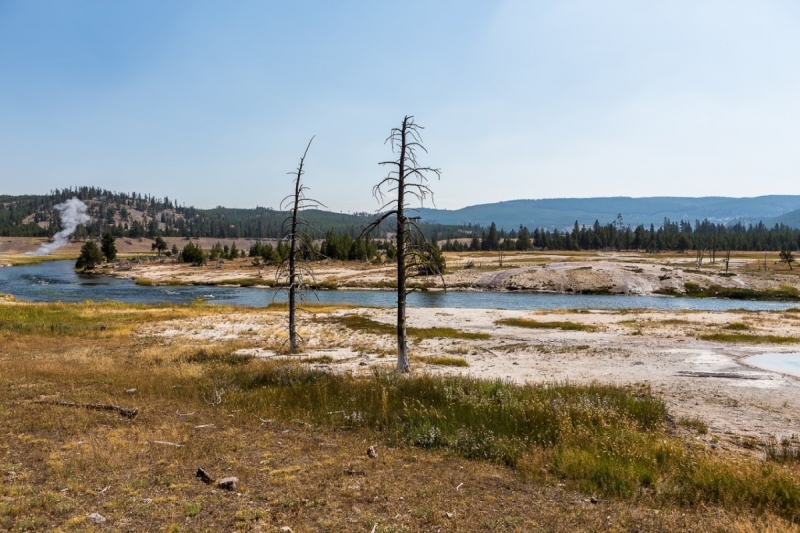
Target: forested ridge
670, 236
136, 215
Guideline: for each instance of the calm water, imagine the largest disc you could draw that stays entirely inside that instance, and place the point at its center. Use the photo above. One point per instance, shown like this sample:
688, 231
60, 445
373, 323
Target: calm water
785, 363
57, 281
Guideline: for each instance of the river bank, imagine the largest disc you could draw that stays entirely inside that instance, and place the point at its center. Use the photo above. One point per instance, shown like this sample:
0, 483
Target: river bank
748, 275
605, 273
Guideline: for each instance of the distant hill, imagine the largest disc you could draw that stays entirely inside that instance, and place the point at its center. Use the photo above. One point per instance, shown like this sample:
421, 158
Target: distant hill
792, 219
135, 215
560, 213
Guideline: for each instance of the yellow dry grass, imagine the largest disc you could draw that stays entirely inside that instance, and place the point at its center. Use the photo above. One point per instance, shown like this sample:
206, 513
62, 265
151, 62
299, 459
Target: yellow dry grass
59, 464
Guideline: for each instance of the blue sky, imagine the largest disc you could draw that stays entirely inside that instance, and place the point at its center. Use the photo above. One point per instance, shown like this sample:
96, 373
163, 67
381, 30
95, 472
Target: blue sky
213, 102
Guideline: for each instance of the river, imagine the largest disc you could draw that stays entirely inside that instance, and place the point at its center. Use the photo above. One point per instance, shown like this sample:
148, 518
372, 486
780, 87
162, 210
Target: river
56, 281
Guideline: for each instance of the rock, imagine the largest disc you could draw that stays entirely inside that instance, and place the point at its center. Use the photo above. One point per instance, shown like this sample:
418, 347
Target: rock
286, 529
204, 476
96, 518
449, 515
594, 500
371, 453
228, 483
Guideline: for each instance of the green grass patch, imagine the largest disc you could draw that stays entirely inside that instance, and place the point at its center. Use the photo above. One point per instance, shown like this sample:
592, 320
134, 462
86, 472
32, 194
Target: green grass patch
749, 339
536, 324
216, 355
600, 439
316, 307
92, 319
694, 423
737, 326
367, 325
783, 450
246, 282
597, 290
784, 293
443, 360
475, 418
144, 282
667, 291
323, 286
655, 323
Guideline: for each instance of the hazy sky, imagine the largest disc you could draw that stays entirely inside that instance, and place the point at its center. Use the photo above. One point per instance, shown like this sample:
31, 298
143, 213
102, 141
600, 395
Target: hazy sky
213, 102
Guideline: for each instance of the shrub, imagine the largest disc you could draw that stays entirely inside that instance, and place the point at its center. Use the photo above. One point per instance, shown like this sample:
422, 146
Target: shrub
194, 254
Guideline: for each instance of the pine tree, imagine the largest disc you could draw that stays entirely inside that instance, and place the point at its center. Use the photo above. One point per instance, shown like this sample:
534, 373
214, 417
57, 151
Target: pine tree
107, 247
90, 256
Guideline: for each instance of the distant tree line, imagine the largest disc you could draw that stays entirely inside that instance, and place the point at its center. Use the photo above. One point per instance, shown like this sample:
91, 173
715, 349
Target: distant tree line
670, 236
134, 215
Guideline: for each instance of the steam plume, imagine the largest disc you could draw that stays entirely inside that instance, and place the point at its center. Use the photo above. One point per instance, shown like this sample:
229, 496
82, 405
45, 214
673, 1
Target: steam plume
73, 212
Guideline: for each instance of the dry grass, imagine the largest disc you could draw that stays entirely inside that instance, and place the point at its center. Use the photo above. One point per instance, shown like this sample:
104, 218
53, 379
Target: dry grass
366, 325
296, 467
748, 339
443, 360
538, 324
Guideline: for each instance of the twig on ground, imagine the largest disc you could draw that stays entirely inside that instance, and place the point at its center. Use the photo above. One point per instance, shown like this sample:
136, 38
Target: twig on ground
123, 411
166, 443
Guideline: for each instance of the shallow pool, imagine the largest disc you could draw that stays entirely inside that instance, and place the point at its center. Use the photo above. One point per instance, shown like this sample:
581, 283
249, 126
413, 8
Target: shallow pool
785, 363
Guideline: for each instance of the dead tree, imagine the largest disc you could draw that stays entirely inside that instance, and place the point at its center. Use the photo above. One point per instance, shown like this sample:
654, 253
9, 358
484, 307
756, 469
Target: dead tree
787, 257
294, 267
407, 180
700, 253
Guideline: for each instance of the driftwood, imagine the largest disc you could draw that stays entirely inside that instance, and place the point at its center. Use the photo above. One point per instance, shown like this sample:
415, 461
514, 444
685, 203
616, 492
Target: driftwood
123, 411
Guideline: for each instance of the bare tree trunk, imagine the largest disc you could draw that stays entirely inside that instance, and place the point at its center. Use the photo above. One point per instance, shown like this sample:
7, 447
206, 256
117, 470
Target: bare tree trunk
292, 271
402, 345
408, 179
295, 202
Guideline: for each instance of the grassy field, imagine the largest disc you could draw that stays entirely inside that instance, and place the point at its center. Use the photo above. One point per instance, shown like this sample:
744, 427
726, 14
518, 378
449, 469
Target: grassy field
453, 453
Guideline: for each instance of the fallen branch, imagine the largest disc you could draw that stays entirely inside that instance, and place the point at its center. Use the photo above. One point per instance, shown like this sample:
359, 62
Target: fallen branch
166, 443
123, 411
